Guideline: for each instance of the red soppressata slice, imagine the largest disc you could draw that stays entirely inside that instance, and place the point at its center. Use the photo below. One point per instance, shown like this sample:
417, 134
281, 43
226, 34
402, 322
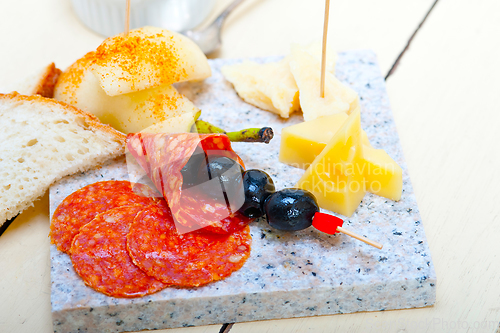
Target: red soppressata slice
100, 257
80, 207
188, 260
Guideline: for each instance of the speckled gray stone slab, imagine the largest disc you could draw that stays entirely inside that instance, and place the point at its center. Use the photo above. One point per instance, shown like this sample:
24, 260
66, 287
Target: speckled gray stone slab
304, 273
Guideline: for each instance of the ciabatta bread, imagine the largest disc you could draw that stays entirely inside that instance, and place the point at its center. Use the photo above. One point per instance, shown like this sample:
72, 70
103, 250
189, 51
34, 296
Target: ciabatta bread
43, 140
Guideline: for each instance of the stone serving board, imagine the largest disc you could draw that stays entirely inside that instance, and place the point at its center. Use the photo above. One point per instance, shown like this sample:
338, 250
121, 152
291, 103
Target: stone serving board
296, 274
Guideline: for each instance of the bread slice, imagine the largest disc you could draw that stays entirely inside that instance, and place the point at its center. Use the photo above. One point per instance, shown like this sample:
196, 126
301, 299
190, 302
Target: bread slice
43, 140
41, 83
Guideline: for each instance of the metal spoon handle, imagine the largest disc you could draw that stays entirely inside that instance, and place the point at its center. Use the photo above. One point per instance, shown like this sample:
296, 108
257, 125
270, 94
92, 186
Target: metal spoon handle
220, 19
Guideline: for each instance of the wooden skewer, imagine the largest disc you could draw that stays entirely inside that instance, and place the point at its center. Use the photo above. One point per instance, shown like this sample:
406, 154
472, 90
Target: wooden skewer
361, 238
323, 56
127, 18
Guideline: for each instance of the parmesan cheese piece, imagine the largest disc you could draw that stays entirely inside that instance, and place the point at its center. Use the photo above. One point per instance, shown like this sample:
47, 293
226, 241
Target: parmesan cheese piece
271, 86
306, 70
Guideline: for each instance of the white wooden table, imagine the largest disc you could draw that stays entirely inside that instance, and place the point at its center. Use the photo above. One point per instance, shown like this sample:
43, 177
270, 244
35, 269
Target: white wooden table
445, 94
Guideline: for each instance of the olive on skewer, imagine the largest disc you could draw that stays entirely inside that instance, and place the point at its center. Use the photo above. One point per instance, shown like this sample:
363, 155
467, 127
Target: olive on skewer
290, 209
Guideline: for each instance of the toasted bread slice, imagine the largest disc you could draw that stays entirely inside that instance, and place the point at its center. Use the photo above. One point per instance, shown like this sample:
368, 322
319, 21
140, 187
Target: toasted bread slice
41, 83
43, 140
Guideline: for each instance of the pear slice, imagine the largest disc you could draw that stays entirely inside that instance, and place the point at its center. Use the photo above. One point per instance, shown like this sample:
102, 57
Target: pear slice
306, 70
128, 113
146, 58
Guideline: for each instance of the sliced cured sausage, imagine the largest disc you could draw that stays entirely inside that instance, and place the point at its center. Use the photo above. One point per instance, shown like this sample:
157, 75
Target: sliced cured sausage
80, 207
185, 260
99, 255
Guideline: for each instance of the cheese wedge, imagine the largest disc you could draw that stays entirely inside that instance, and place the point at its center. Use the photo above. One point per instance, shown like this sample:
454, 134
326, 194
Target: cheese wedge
146, 58
301, 143
346, 168
271, 86
268, 86
128, 113
306, 70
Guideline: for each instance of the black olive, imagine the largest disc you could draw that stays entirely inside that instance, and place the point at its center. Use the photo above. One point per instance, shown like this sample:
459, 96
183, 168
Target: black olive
258, 186
291, 209
228, 171
190, 171
228, 187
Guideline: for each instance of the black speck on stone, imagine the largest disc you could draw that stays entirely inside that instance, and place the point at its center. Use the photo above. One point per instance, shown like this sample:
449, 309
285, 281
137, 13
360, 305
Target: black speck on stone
171, 315
91, 309
396, 233
314, 274
311, 308
368, 85
113, 314
262, 235
244, 300
358, 270
269, 266
119, 323
139, 318
292, 253
259, 255
432, 284
359, 299
286, 302
420, 242
417, 222
382, 259
409, 210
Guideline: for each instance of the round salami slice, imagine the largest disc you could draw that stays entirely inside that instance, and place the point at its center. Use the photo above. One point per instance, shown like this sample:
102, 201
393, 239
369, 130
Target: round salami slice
100, 257
80, 207
184, 260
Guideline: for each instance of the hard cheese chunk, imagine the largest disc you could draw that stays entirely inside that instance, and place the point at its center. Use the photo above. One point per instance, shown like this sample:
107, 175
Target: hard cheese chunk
268, 86
145, 58
128, 113
306, 70
347, 167
301, 143
271, 86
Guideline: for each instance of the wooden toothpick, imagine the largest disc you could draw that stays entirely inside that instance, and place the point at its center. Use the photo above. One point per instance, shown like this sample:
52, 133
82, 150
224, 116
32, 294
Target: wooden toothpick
127, 17
359, 237
323, 56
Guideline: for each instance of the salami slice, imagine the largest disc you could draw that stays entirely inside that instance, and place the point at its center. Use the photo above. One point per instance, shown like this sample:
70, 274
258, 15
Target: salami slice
80, 207
163, 156
184, 260
100, 257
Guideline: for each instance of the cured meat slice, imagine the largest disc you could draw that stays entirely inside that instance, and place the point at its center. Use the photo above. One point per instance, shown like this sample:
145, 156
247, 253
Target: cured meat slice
184, 260
163, 156
80, 207
100, 257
